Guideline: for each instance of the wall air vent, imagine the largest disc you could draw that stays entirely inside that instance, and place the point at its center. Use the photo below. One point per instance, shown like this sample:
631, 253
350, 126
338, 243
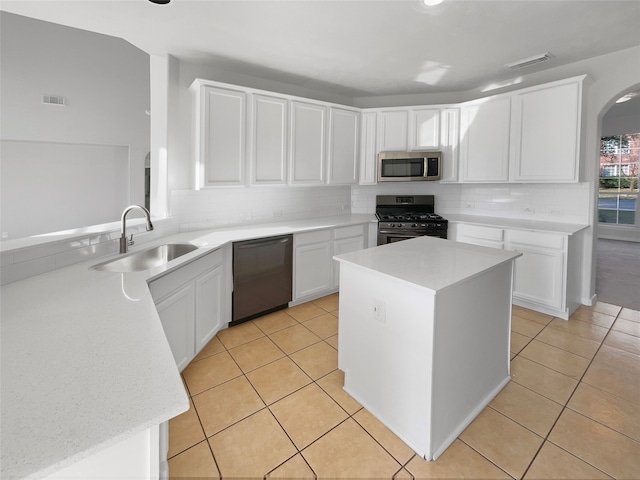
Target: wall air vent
53, 100
527, 62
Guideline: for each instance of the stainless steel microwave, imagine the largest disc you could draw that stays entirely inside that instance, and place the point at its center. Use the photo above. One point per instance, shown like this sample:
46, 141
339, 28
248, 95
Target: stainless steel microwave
408, 166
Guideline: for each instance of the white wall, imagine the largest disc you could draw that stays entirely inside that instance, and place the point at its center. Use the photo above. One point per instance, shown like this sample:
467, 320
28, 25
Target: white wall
105, 81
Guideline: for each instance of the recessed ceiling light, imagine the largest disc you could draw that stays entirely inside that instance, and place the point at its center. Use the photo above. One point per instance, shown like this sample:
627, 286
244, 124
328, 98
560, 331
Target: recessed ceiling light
627, 97
431, 3
160, 2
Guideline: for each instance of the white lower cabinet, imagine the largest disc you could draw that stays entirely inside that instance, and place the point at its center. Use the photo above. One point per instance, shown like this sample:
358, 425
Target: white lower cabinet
480, 235
191, 303
540, 271
315, 273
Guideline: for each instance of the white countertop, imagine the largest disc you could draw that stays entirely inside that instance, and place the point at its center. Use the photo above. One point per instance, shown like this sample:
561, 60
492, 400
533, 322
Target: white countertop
518, 223
429, 262
85, 362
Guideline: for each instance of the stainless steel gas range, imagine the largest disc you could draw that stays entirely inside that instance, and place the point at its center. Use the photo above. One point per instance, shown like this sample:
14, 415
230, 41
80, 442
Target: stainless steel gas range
401, 217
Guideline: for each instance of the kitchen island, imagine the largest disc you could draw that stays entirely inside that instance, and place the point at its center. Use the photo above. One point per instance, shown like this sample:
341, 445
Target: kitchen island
424, 335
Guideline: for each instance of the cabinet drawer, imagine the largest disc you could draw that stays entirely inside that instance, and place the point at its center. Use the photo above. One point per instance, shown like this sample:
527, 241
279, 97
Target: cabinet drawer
164, 285
484, 233
313, 237
536, 239
346, 232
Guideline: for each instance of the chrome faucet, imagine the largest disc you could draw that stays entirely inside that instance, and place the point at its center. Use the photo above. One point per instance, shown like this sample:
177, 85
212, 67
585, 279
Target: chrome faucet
124, 243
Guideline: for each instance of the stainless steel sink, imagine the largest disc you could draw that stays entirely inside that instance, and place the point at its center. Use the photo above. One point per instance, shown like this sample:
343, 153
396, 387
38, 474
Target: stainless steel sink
146, 259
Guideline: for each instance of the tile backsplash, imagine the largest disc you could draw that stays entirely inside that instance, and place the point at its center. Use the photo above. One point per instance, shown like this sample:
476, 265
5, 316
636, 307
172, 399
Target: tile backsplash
549, 202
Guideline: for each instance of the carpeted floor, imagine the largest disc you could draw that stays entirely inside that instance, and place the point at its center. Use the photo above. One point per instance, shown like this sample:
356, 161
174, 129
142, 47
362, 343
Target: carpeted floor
618, 273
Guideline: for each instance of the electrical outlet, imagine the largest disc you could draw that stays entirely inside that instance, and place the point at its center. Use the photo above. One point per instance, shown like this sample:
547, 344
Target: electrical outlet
345, 207
529, 210
277, 213
379, 311
468, 205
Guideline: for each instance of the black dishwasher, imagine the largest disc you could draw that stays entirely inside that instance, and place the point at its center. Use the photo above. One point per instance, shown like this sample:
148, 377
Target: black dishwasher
262, 272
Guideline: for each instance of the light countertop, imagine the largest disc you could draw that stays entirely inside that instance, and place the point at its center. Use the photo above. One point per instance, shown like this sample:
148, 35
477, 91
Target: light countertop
429, 262
518, 223
85, 362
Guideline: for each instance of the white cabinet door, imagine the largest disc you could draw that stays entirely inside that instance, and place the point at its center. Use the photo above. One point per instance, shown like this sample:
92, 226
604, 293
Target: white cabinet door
343, 146
308, 136
177, 315
547, 133
393, 129
449, 140
425, 129
269, 140
209, 306
484, 143
221, 130
368, 149
344, 245
312, 269
539, 275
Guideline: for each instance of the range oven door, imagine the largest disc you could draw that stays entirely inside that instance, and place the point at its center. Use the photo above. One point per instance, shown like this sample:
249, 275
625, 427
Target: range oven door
391, 236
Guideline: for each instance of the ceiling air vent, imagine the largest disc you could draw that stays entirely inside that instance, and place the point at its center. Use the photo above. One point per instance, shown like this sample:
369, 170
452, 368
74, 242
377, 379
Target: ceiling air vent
53, 100
526, 62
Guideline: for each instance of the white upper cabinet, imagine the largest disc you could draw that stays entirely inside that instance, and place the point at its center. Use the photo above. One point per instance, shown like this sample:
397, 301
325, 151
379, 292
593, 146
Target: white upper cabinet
449, 141
308, 137
343, 146
220, 136
484, 140
425, 129
268, 139
368, 148
546, 132
393, 130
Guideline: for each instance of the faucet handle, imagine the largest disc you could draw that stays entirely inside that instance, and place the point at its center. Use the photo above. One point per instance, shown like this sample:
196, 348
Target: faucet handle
130, 242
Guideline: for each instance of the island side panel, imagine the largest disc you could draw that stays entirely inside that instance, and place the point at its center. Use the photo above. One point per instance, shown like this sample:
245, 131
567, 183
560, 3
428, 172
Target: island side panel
471, 351
387, 361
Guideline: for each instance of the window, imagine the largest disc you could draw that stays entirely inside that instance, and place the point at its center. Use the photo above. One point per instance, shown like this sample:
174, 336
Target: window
618, 192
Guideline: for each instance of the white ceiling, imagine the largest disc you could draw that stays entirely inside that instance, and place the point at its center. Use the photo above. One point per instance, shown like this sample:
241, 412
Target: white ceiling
359, 48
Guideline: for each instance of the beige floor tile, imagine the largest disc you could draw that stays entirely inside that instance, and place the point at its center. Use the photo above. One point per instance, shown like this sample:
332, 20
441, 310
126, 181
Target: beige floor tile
214, 346
294, 338
278, 379
226, 404
348, 451
274, 321
385, 437
502, 441
545, 381
580, 329
571, 343
305, 311
627, 326
323, 326
255, 354
593, 317
333, 341
553, 463
607, 308
613, 380
538, 317
616, 358
209, 372
614, 412
525, 327
623, 341
528, 408
458, 461
294, 468
252, 447
197, 462
600, 446
555, 358
329, 303
332, 384
316, 360
402, 475
518, 342
307, 414
630, 314
239, 334
184, 431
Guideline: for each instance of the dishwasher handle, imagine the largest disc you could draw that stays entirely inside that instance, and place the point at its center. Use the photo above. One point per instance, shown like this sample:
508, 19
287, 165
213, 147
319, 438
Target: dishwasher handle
263, 242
